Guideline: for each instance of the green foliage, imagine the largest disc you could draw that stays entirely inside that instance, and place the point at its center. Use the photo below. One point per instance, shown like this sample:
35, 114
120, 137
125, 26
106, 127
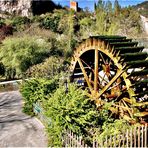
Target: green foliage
19, 22
21, 53
113, 128
50, 22
49, 68
36, 90
72, 110
2, 22
2, 69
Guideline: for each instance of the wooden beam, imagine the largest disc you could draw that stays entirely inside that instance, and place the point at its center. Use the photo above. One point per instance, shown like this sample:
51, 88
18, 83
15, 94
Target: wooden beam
85, 74
96, 71
118, 74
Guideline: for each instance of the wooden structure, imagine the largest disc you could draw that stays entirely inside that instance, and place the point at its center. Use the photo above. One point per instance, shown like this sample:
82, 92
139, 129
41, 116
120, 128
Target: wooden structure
113, 69
136, 137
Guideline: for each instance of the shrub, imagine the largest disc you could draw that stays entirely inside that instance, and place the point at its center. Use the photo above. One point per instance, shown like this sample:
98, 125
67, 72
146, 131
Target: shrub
2, 22
23, 52
19, 22
5, 30
2, 69
36, 90
50, 22
49, 68
72, 110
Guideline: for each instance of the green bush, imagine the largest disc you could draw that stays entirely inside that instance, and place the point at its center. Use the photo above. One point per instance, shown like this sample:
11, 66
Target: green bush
21, 53
50, 22
36, 90
2, 69
19, 22
49, 68
2, 22
72, 110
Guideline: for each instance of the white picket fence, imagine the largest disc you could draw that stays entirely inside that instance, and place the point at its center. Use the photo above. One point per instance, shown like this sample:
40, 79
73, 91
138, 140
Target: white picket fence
136, 137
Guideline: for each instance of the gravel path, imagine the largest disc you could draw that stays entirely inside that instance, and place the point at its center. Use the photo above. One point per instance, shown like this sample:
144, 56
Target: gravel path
16, 128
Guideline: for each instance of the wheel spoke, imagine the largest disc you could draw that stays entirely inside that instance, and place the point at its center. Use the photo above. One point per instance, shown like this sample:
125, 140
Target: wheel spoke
103, 59
92, 70
85, 74
118, 74
96, 71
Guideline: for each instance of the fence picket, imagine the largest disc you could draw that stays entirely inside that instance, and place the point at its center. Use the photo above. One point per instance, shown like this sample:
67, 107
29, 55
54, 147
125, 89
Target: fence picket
123, 137
127, 139
93, 142
139, 136
110, 141
132, 138
142, 136
135, 141
106, 144
114, 140
146, 136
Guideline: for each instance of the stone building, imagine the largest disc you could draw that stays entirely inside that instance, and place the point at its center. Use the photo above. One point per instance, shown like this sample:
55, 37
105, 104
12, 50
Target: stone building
74, 5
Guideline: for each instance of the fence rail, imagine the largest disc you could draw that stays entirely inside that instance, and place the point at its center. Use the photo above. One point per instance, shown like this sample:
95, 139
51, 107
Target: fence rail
9, 85
136, 137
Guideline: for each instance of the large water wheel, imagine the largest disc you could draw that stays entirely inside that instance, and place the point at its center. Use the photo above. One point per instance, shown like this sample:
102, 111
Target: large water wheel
113, 69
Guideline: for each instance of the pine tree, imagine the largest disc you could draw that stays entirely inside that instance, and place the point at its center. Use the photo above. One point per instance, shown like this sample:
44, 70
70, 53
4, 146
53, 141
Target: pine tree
108, 6
117, 7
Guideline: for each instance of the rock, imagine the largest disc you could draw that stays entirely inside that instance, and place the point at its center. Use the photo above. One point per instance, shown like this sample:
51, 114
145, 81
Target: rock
144, 21
27, 7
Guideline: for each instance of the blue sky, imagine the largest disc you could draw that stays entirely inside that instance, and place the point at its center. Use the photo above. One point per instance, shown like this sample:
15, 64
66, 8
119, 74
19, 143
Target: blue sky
90, 3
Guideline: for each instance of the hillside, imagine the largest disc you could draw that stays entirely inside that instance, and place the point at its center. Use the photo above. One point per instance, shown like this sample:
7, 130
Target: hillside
142, 8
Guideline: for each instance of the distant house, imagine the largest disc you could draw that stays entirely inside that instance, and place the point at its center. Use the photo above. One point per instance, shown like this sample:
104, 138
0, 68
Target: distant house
74, 5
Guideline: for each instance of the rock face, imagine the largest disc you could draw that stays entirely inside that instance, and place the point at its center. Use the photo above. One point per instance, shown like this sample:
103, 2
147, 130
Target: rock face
144, 23
26, 7
20, 7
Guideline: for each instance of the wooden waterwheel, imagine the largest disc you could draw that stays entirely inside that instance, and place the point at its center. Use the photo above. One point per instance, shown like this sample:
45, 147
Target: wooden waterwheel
113, 69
